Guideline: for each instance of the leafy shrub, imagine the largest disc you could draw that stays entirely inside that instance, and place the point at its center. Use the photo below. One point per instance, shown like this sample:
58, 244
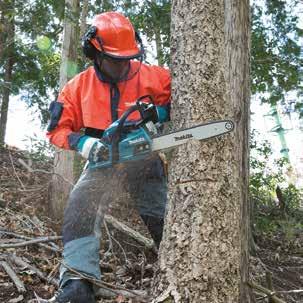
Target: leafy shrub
270, 214
39, 149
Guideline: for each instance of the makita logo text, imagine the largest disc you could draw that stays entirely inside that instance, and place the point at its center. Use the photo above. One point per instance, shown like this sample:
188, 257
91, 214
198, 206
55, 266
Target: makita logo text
183, 137
138, 140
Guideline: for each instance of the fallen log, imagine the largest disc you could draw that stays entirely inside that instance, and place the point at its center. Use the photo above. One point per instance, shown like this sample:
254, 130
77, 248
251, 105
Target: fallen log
149, 244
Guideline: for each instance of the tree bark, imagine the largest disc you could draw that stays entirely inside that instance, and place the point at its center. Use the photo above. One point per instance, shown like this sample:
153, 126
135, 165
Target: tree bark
8, 35
64, 160
204, 252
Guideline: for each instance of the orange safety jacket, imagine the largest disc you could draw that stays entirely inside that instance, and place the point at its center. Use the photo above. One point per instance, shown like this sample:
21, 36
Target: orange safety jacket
85, 102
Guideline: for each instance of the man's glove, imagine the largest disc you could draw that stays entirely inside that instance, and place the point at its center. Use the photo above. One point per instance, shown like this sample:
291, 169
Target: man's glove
153, 113
92, 149
162, 113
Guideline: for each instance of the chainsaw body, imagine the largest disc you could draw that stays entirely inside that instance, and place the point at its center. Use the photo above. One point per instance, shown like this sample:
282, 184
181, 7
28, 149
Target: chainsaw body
128, 140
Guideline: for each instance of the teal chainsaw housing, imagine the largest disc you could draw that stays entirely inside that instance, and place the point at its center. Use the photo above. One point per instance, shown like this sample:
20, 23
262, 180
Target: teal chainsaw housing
135, 145
126, 140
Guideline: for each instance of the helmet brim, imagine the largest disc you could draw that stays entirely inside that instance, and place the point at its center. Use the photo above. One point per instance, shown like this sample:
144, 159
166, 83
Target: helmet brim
126, 55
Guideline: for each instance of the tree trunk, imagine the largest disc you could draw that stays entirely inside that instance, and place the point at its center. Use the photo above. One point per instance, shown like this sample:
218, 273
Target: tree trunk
7, 50
159, 48
158, 40
2, 32
157, 33
84, 13
64, 160
6, 90
204, 252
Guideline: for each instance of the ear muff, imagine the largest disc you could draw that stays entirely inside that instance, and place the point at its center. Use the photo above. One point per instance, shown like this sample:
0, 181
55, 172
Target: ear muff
139, 40
88, 49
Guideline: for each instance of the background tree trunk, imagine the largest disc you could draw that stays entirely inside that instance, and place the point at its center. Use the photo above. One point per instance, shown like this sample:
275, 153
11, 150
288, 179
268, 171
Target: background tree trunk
204, 252
157, 34
84, 13
2, 27
159, 50
64, 160
7, 51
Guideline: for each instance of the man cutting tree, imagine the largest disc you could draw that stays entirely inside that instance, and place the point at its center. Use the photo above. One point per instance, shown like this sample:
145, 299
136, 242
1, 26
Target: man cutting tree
86, 106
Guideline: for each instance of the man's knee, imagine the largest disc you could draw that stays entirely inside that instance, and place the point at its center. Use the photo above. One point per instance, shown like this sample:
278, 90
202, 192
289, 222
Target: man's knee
80, 215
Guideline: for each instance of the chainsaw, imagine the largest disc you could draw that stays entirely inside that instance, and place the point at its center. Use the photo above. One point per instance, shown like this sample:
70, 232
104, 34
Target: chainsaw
134, 140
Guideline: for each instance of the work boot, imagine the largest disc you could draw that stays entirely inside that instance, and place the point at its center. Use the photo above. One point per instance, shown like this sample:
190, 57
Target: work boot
75, 291
155, 227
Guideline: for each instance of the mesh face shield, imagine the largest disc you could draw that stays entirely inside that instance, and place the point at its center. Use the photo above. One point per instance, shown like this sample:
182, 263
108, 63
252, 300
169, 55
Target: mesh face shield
117, 69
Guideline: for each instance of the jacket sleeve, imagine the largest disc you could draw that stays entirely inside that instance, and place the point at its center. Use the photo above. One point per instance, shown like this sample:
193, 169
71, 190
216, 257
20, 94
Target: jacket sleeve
66, 119
162, 95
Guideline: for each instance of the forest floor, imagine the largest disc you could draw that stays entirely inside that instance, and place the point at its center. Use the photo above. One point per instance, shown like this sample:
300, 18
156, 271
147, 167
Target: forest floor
31, 270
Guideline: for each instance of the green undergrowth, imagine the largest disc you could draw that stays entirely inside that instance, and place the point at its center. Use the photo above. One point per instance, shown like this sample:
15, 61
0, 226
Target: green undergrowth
277, 203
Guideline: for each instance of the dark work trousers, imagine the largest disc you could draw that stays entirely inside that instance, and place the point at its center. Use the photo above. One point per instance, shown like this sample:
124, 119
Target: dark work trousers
143, 181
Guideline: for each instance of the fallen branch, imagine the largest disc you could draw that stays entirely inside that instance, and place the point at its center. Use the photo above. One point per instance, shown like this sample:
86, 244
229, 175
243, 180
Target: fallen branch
294, 291
9, 233
268, 275
12, 162
23, 218
19, 284
6, 241
20, 262
149, 244
34, 241
53, 271
261, 297
44, 172
270, 294
110, 246
109, 294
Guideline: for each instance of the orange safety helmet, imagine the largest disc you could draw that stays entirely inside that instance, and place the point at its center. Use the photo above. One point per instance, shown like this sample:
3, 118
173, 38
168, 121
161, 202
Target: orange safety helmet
112, 34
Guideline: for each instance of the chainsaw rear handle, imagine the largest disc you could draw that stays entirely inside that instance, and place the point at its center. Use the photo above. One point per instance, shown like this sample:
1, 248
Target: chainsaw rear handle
147, 114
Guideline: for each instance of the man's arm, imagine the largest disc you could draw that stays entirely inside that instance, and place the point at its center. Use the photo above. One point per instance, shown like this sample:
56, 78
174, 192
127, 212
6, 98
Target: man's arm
65, 120
65, 125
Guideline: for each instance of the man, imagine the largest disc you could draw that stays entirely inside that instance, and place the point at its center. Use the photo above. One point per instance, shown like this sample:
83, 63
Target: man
91, 102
